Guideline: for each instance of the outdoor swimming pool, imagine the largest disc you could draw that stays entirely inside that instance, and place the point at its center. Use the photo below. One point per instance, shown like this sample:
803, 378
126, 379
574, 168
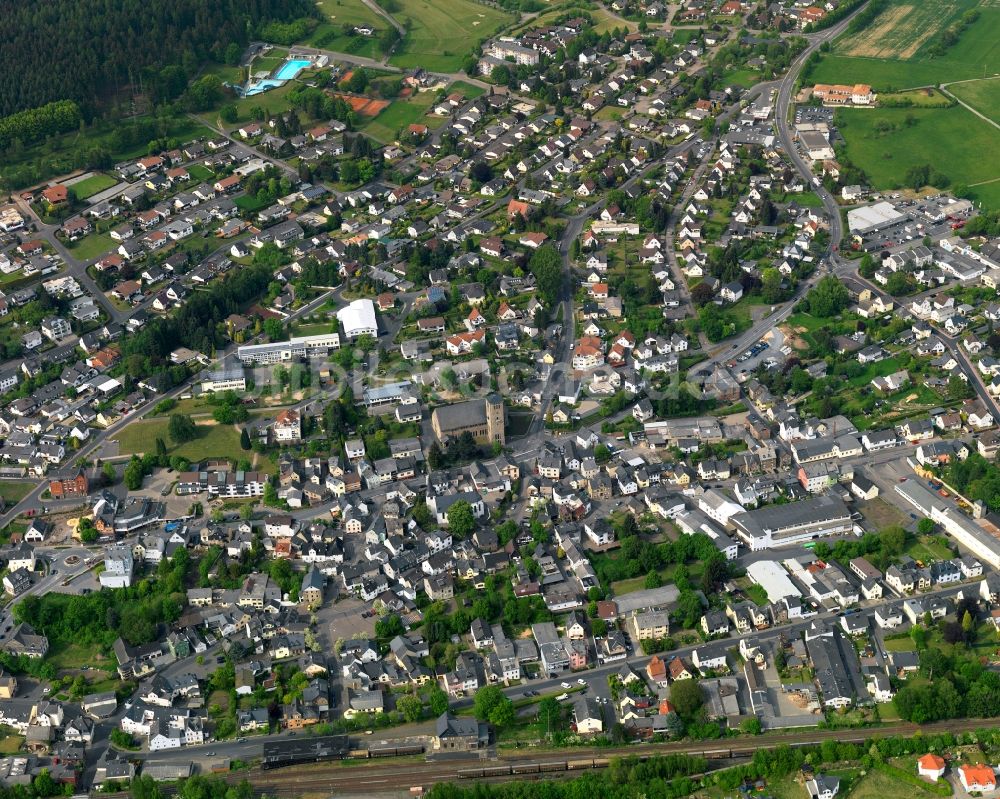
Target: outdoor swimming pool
291, 68
262, 86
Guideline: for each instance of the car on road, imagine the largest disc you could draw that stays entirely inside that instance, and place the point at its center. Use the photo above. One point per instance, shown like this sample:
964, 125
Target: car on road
566, 685
581, 681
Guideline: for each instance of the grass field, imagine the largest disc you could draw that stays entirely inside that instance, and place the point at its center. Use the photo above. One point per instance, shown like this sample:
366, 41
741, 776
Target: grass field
926, 548
95, 184
399, 114
14, 491
742, 77
470, 91
248, 203
894, 51
931, 139
215, 441
330, 35
441, 33
879, 785
924, 98
200, 172
92, 246
983, 95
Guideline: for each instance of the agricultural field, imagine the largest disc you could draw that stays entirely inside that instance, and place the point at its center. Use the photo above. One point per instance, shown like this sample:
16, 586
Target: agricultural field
896, 50
887, 142
983, 95
94, 184
441, 33
399, 114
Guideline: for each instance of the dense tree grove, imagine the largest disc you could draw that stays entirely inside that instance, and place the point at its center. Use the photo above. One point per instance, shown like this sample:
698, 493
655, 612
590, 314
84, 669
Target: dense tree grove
956, 684
81, 50
827, 298
195, 325
35, 124
976, 478
99, 618
546, 266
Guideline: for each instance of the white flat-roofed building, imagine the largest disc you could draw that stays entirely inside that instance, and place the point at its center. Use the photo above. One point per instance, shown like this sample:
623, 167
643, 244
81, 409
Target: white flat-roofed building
296, 347
873, 218
358, 319
770, 576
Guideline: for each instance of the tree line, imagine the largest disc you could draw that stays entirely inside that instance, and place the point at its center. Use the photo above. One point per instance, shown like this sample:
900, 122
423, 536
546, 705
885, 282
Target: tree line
88, 51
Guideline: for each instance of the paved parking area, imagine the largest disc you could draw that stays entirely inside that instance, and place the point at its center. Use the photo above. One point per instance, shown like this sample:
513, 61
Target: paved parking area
343, 619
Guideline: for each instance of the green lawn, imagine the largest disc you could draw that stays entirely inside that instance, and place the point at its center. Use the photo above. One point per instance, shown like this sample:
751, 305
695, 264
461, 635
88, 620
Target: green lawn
809, 199
92, 246
215, 441
441, 33
93, 185
70, 656
895, 50
902, 644
757, 594
14, 491
879, 785
925, 98
274, 101
11, 744
887, 142
248, 203
398, 114
469, 90
200, 172
742, 77
926, 548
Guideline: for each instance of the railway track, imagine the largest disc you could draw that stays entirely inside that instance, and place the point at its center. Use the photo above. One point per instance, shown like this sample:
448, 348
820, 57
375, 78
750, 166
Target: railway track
382, 774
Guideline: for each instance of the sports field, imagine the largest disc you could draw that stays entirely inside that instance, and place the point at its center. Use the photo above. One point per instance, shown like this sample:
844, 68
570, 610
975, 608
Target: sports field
896, 50
887, 142
441, 33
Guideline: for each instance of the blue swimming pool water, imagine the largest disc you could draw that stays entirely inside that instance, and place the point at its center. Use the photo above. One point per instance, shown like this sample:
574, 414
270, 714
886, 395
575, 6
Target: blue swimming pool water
290, 69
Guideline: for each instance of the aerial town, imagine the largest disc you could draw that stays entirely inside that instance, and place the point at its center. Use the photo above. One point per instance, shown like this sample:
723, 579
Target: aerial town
607, 390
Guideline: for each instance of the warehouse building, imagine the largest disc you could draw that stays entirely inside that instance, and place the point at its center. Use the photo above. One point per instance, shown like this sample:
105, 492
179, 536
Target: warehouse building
796, 523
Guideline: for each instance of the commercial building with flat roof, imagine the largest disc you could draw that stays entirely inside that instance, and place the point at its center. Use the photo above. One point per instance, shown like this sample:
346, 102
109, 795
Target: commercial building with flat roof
964, 530
358, 319
873, 218
795, 523
296, 347
770, 576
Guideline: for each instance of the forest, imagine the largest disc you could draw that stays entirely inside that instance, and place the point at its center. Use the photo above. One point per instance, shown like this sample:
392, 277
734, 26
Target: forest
86, 50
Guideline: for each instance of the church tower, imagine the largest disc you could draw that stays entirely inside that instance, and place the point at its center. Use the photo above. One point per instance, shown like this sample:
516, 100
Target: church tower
495, 418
